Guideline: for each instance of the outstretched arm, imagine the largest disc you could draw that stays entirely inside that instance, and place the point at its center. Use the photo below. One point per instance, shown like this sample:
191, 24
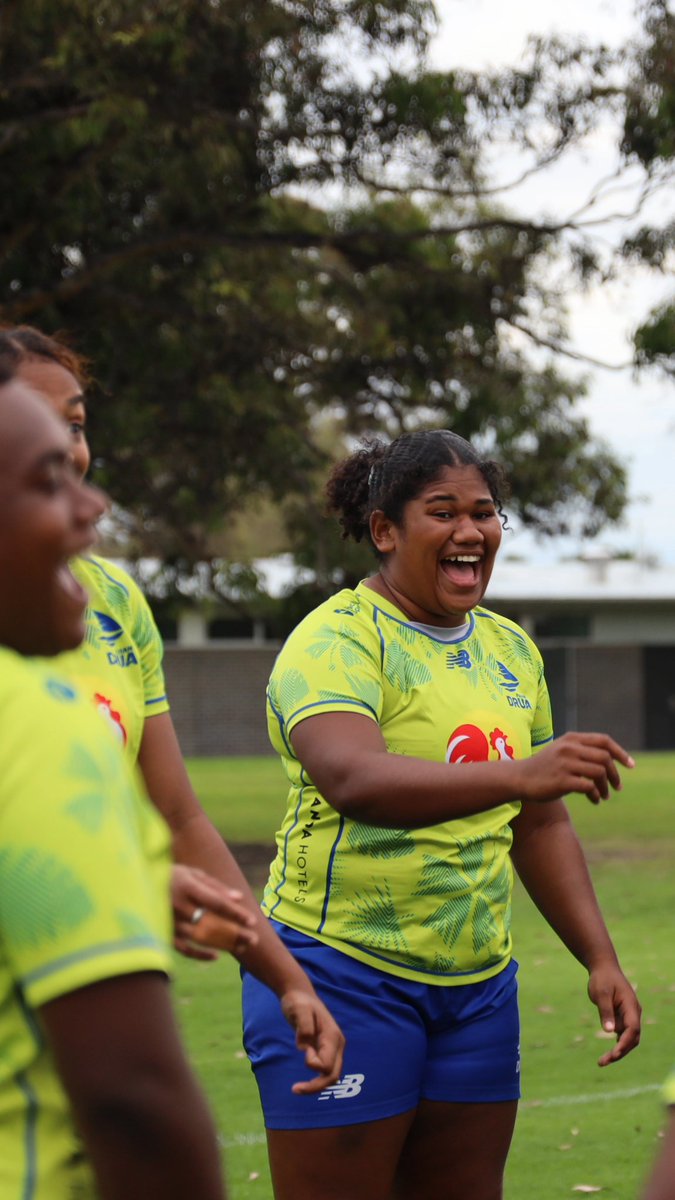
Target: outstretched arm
143, 1119
197, 843
550, 862
346, 757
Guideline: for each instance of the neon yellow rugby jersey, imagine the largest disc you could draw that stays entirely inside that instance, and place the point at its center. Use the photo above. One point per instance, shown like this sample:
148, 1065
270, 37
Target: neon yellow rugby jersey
84, 896
669, 1089
119, 664
430, 904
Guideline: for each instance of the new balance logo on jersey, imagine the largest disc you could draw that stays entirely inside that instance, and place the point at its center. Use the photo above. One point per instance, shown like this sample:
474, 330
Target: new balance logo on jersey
458, 658
344, 1089
109, 631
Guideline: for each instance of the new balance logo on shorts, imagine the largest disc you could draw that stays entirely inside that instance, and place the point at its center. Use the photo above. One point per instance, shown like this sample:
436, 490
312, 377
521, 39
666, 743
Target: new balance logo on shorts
344, 1089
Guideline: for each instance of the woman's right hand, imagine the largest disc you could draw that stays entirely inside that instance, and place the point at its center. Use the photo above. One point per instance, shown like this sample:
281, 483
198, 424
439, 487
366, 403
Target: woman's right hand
210, 914
575, 762
317, 1035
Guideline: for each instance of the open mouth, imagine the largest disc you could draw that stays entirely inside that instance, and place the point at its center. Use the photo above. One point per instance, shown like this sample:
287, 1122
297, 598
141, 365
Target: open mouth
71, 588
462, 570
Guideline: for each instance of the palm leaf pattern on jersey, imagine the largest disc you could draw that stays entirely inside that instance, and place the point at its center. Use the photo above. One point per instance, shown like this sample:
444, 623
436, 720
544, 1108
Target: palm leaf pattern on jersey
116, 595
403, 671
483, 926
471, 855
380, 843
411, 637
359, 688
374, 921
439, 878
340, 643
468, 892
289, 689
444, 965
144, 631
89, 810
94, 774
135, 928
450, 919
90, 805
518, 652
494, 899
41, 898
404, 633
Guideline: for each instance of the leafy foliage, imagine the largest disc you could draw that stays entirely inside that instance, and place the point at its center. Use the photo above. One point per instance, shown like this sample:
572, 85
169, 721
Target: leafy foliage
257, 216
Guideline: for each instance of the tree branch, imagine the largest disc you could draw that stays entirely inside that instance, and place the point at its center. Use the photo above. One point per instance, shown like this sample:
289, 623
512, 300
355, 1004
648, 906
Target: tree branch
194, 241
559, 348
11, 130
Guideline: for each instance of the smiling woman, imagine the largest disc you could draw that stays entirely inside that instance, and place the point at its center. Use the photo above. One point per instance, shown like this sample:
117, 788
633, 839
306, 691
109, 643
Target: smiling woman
84, 865
406, 716
47, 518
119, 667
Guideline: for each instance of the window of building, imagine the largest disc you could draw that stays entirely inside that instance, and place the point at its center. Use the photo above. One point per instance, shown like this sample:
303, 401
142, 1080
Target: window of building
562, 625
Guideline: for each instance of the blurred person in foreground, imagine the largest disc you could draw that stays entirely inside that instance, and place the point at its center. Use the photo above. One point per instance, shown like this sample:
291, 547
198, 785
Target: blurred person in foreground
118, 667
661, 1183
414, 727
96, 1095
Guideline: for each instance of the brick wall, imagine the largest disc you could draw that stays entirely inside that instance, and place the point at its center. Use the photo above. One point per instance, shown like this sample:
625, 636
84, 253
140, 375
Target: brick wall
218, 698
218, 694
610, 693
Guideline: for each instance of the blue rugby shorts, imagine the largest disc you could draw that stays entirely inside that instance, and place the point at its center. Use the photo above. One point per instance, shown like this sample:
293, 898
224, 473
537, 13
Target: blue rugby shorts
406, 1041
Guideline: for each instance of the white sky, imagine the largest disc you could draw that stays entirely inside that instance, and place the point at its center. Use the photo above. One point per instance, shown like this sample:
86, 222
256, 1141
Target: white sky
636, 418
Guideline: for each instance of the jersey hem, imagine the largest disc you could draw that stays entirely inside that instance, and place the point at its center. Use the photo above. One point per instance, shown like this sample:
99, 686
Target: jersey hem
400, 970
95, 966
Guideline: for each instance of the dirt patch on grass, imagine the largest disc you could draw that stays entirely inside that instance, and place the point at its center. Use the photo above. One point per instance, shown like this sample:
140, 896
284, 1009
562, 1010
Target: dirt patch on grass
254, 858
618, 852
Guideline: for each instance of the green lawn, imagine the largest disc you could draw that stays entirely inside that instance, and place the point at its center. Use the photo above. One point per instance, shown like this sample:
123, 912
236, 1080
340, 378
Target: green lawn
578, 1125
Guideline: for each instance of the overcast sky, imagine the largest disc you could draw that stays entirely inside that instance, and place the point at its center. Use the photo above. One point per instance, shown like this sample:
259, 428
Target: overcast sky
636, 418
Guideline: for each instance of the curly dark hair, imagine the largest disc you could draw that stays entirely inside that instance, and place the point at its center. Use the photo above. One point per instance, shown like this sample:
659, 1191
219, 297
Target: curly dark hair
19, 343
387, 475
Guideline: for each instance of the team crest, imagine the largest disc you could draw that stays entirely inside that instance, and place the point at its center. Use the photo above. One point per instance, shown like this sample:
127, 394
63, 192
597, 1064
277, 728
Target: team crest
109, 630
110, 715
468, 743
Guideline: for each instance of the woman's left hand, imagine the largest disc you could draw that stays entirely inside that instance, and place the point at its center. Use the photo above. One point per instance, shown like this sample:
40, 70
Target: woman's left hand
619, 1009
205, 911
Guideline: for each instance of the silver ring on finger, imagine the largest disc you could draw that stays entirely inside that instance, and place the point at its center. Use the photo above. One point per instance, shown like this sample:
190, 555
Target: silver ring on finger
197, 916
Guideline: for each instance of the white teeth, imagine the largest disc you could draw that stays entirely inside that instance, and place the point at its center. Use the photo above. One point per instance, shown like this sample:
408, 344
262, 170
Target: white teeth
463, 558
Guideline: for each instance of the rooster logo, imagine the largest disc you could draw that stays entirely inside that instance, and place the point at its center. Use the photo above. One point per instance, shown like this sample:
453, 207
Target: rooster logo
468, 743
110, 715
500, 742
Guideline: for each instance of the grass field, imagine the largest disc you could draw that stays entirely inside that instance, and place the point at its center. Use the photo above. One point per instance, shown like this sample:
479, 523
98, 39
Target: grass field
579, 1126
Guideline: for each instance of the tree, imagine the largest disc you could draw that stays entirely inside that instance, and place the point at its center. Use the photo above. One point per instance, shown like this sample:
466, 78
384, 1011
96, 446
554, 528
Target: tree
253, 216
649, 138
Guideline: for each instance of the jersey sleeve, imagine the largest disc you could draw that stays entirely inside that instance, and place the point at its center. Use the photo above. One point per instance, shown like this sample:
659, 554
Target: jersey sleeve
542, 725
148, 640
330, 664
83, 859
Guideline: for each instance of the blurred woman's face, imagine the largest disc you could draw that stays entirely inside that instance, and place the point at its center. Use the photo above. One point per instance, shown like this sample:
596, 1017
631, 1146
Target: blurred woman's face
47, 516
63, 393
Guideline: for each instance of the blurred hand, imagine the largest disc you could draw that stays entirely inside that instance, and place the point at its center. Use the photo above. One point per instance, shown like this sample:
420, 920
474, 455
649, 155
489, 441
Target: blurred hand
226, 923
575, 762
318, 1035
619, 1010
